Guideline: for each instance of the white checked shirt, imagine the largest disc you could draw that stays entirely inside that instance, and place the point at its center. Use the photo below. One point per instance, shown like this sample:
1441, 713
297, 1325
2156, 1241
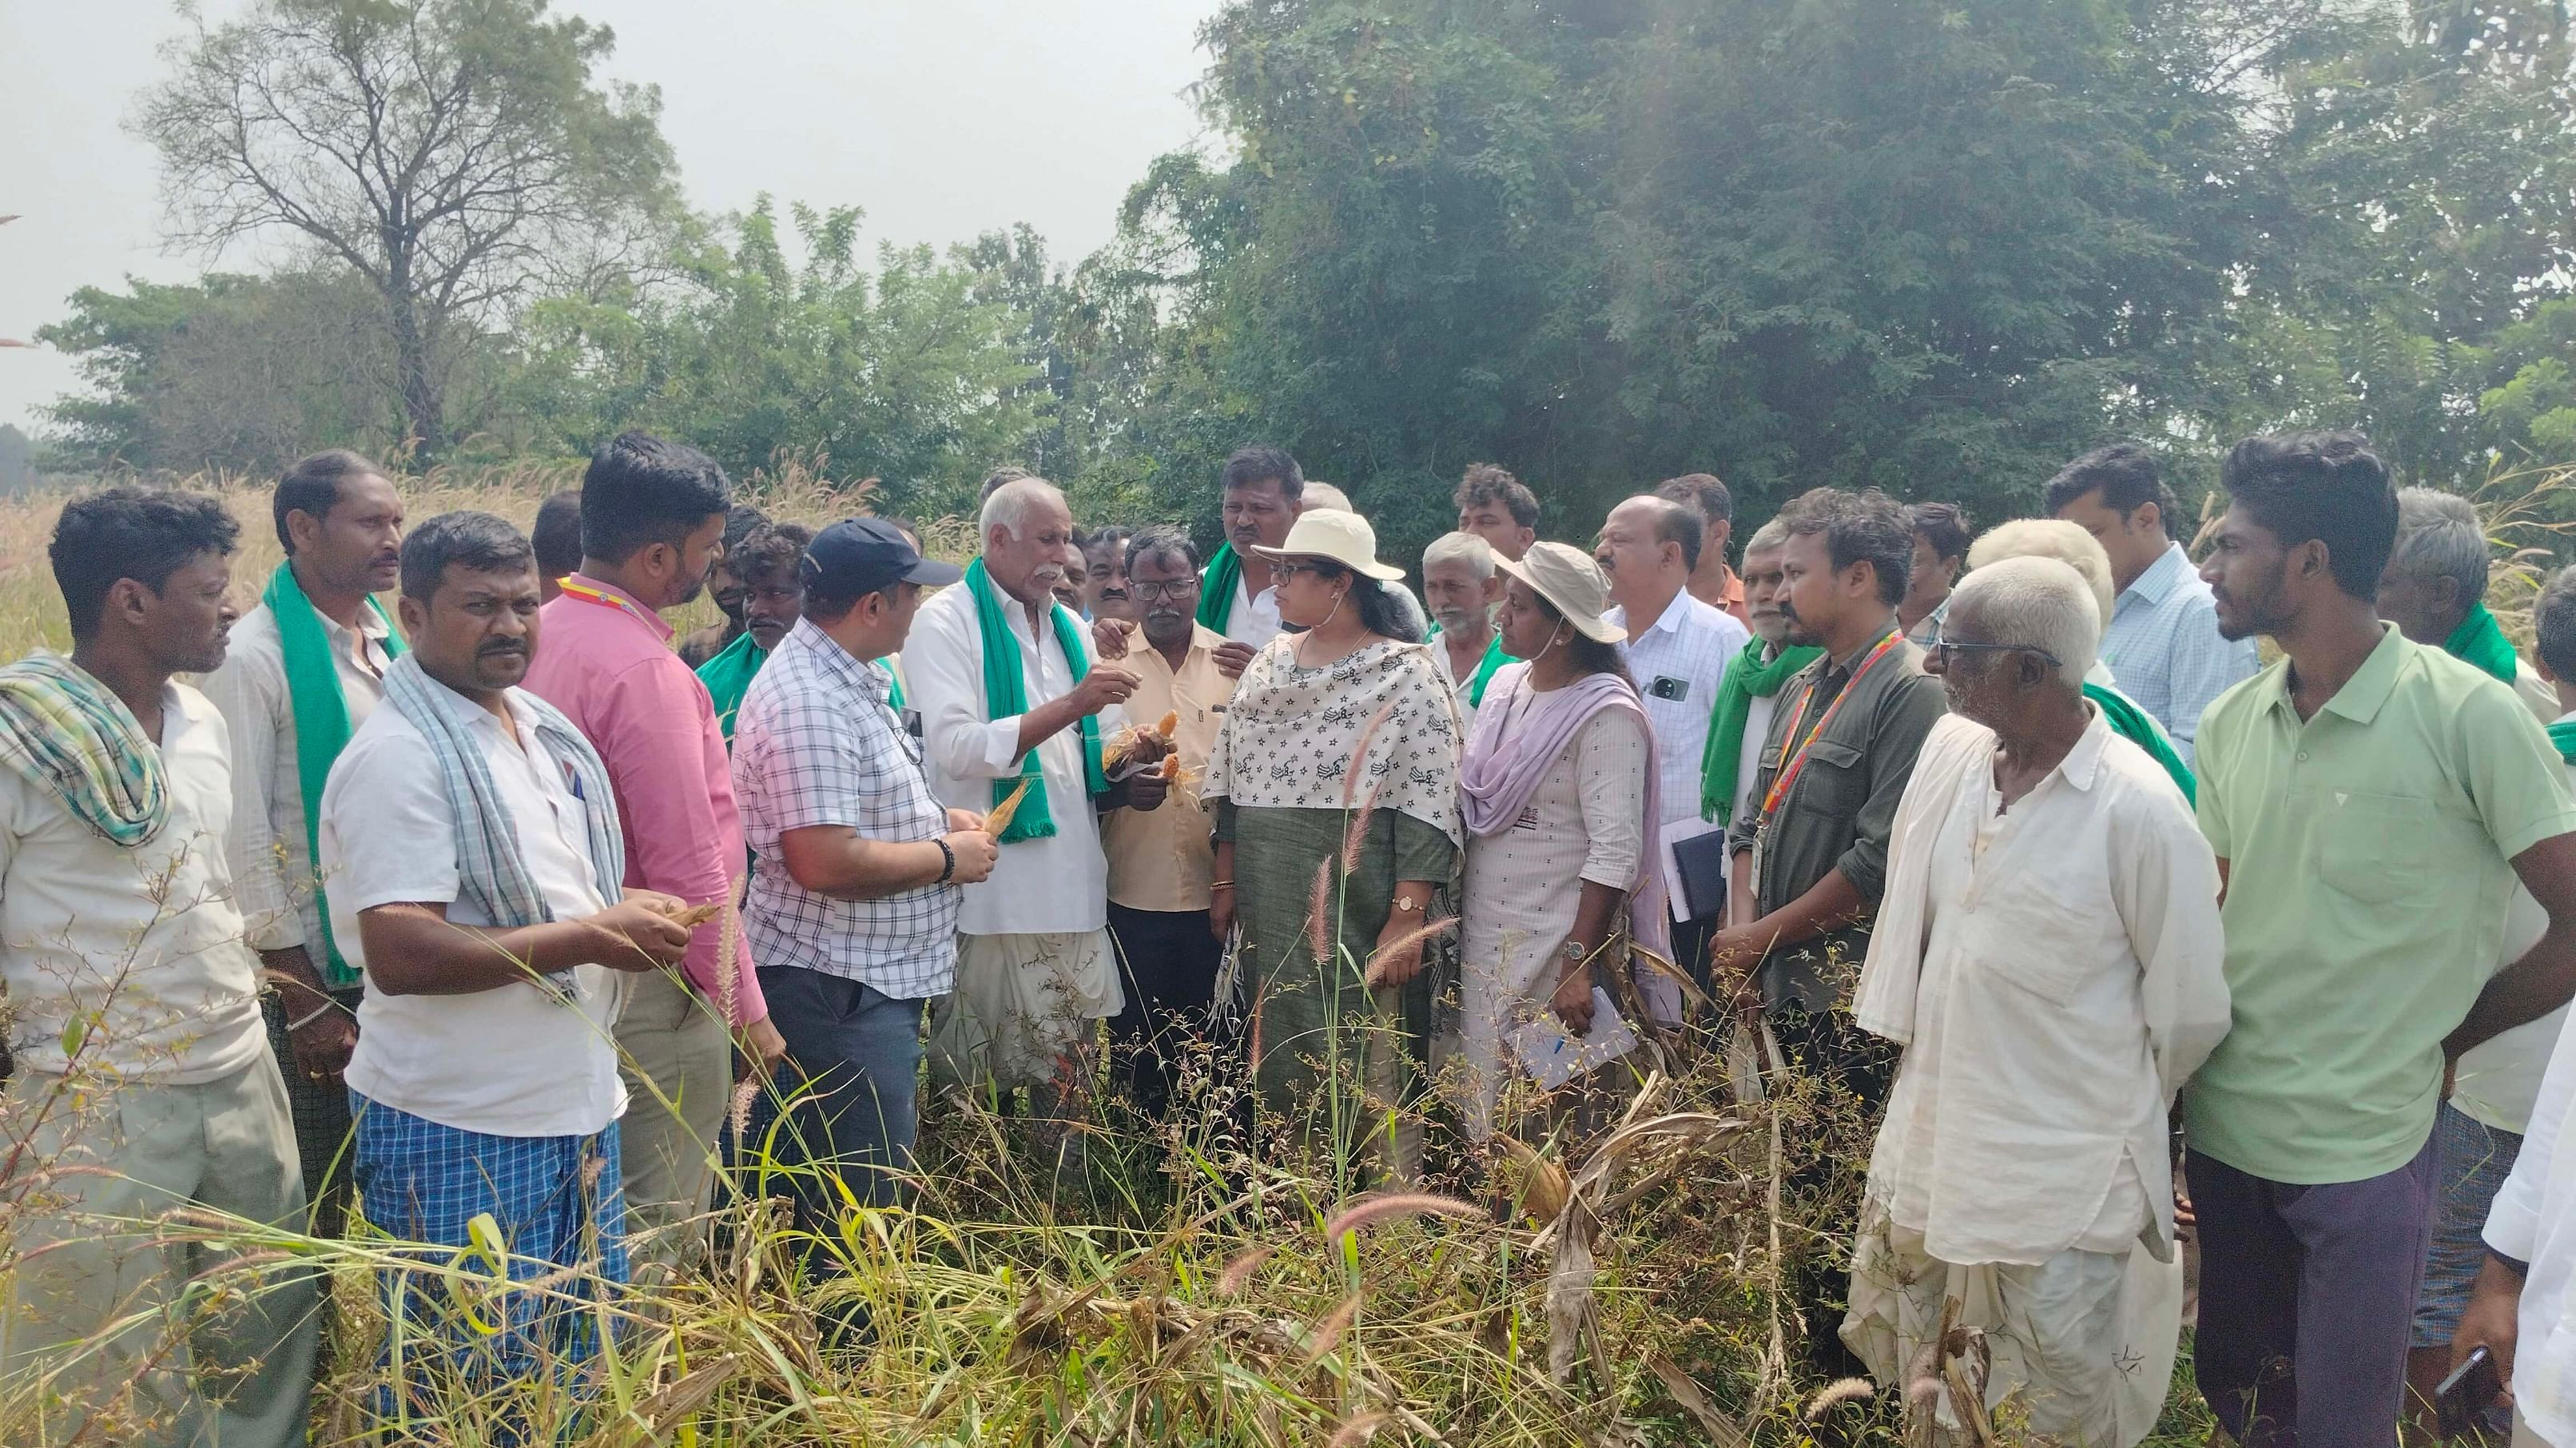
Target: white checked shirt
2164, 648
815, 743
1677, 662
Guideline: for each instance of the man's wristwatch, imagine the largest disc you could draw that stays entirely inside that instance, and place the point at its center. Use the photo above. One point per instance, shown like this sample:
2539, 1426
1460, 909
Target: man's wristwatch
1576, 952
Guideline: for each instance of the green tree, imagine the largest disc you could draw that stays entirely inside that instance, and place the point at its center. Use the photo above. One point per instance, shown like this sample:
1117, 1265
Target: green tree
903, 373
453, 153
228, 372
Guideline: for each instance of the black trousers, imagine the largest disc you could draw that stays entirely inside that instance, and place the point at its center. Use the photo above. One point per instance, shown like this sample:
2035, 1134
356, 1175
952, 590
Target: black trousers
1825, 1169
1167, 961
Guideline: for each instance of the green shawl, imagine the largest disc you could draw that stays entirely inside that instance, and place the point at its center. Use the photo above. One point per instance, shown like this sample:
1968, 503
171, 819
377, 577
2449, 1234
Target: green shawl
1217, 583
2131, 723
2563, 734
1747, 678
2480, 641
321, 729
728, 677
1006, 696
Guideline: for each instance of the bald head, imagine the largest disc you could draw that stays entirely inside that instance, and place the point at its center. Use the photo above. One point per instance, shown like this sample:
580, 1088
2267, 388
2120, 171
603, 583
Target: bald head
1648, 547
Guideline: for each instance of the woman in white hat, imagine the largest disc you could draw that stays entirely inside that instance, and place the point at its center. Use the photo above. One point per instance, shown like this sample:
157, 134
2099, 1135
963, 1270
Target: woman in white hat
1558, 800
1334, 782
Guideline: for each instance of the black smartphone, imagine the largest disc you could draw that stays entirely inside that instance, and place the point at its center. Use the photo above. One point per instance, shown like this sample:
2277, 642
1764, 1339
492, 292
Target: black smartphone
2467, 1392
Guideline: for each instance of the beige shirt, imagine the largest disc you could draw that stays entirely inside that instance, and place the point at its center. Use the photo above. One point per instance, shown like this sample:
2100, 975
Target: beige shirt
1161, 859
144, 942
272, 864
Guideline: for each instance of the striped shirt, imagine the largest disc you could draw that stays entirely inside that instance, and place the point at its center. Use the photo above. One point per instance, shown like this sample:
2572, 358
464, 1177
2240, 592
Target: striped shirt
2164, 647
816, 743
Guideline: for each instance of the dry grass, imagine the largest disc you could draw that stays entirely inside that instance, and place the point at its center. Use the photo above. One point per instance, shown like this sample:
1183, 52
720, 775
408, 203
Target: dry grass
1183, 1288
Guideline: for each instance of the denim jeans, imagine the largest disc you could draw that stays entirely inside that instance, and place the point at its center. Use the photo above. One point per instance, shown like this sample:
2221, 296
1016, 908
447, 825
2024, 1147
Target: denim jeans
845, 1099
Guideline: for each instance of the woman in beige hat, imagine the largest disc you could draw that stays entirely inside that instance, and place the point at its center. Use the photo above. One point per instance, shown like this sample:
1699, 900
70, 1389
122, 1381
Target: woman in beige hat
1334, 782
1558, 801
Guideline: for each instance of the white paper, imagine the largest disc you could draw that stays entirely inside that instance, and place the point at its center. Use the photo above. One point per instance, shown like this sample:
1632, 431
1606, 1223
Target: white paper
1553, 1058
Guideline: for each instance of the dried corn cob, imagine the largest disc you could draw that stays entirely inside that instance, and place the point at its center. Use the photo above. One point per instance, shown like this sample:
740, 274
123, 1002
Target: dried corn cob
1000, 819
693, 916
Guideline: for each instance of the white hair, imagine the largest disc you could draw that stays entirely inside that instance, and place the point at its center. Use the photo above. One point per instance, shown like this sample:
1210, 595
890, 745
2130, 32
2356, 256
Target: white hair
1467, 548
1770, 536
1323, 495
2056, 538
2039, 603
1008, 508
2439, 536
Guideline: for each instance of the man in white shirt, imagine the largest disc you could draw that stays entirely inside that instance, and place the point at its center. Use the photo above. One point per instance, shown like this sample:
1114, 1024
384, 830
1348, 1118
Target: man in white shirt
1034, 968
471, 842
2048, 954
1678, 649
143, 1079
2162, 640
1459, 582
2488, 1126
340, 521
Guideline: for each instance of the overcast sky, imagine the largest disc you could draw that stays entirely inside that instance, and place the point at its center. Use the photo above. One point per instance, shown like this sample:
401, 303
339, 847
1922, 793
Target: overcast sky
942, 118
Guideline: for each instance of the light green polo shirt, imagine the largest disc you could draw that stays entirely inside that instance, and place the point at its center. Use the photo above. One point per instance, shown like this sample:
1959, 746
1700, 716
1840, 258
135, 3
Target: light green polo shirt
2368, 855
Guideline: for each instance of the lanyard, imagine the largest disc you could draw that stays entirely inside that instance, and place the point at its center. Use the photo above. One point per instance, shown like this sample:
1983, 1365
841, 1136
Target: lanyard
1789, 772
603, 598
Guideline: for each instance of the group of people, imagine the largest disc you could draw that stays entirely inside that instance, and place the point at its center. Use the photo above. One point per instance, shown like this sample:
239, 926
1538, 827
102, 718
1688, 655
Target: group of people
507, 911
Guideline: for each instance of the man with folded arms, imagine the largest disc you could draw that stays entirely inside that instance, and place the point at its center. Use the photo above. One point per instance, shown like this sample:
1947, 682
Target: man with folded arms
471, 840
2051, 922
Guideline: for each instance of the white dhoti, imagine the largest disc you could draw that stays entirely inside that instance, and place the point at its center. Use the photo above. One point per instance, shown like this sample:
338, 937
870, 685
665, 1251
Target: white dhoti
1022, 1009
2085, 1340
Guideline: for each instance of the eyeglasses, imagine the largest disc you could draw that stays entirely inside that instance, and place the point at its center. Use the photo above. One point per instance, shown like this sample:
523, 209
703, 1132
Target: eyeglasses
1944, 647
1327, 572
1171, 592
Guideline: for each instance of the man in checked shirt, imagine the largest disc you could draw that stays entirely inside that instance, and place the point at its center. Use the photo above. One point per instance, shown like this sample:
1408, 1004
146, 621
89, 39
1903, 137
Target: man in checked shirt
857, 872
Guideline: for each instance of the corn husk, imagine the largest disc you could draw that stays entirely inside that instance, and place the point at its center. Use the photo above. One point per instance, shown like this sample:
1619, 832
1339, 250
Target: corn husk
694, 916
1000, 819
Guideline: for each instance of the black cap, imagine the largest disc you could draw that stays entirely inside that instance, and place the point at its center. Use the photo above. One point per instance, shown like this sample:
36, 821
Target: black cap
859, 556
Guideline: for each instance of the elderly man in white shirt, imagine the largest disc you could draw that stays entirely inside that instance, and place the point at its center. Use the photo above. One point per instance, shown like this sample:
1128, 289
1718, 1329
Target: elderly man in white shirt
305, 669
1009, 692
2521, 1311
1678, 650
2048, 953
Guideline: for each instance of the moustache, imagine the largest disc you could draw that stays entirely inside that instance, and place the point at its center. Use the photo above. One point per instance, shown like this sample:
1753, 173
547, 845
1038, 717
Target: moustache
494, 651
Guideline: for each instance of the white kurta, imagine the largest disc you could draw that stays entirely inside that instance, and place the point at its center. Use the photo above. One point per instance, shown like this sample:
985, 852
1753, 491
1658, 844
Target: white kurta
1585, 822
1051, 886
2054, 972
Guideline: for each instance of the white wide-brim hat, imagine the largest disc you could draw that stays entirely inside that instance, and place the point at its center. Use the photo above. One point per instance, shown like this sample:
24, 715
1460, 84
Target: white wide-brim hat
1568, 579
1330, 533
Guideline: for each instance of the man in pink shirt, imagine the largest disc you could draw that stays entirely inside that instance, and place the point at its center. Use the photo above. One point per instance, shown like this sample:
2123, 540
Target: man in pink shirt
652, 515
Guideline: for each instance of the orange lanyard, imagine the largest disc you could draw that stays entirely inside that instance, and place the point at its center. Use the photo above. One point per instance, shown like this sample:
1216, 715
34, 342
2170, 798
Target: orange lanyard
1789, 772
604, 599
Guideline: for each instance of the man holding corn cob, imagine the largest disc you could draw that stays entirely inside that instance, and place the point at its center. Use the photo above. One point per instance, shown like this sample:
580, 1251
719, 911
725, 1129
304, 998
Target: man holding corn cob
1015, 712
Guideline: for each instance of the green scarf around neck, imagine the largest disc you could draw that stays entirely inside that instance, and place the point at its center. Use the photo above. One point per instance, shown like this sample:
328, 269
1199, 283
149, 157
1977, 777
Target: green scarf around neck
1217, 583
321, 728
1747, 678
2479, 640
1006, 696
2131, 723
2563, 734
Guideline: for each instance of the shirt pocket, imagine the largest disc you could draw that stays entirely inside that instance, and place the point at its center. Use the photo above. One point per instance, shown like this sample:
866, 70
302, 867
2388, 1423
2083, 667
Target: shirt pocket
2041, 936
2371, 847
1834, 781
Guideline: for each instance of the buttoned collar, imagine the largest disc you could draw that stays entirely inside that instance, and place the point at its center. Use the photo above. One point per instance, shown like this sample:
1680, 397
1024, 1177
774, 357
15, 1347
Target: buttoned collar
2084, 762
591, 593
2162, 576
808, 635
1842, 667
2361, 696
